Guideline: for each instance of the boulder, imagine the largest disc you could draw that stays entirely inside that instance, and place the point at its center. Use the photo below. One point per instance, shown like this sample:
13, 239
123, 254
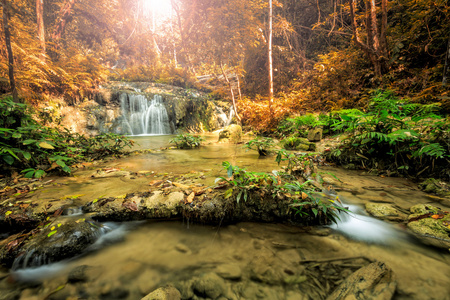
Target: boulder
374, 281
164, 293
209, 285
231, 134
315, 135
58, 241
384, 211
300, 144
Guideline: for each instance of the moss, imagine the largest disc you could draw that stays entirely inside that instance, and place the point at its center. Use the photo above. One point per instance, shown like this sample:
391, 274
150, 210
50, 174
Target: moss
430, 227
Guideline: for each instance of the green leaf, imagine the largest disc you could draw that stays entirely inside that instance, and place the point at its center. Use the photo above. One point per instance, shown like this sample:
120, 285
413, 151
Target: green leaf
29, 174
17, 135
52, 233
27, 155
238, 198
27, 142
39, 173
315, 211
8, 159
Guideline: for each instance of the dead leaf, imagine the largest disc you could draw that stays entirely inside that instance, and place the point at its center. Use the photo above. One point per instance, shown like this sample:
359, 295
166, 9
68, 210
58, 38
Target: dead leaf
180, 185
437, 216
24, 206
304, 196
190, 198
156, 182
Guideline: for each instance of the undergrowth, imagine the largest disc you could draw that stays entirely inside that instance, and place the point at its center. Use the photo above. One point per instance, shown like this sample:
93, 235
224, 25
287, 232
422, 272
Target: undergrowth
34, 149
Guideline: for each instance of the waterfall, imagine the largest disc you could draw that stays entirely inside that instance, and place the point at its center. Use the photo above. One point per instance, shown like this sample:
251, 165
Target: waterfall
142, 117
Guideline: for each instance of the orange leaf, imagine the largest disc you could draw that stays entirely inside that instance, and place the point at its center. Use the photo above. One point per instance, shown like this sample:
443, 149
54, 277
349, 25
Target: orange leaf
437, 216
190, 198
304, 196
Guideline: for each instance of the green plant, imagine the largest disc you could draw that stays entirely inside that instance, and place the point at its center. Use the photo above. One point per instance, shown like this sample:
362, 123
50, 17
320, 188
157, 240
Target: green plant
186, 141
26, 144
262, 145
396, 135
242, 180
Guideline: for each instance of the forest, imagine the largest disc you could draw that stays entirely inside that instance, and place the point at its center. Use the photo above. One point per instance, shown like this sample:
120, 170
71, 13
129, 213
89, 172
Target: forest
349, 101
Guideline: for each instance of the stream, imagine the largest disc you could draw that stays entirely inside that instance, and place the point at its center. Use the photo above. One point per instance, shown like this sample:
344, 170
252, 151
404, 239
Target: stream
241, 261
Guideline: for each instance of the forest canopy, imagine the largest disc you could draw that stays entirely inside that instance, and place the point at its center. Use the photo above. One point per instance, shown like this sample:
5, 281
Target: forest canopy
326, 54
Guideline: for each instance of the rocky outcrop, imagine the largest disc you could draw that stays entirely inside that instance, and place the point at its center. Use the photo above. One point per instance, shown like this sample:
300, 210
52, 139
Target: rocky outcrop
188, 110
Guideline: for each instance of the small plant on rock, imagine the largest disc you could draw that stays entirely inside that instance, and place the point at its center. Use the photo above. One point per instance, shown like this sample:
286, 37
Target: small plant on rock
187, 141
262, 145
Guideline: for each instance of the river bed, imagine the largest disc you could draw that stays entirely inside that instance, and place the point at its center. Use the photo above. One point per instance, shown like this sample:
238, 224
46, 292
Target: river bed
245, 260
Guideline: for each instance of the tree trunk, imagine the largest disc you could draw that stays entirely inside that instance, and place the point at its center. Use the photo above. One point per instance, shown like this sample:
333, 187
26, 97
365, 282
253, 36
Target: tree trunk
12, 81
233, 99
447, 62
40, 26
270, 60
375, 46
64, 15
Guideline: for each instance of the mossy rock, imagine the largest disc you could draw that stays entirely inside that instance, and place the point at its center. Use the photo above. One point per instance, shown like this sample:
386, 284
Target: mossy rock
431, 230
435, 186
297, 143
231, 133
384, 211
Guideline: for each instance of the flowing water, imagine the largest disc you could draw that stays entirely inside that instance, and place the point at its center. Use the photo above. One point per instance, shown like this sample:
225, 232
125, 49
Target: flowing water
258, 261
143, 117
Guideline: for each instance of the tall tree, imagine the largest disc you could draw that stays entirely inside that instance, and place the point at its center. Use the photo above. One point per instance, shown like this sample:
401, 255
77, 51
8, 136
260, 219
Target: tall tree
12, 81
270, 59
375, 46
40, 26
64, 15
447, 62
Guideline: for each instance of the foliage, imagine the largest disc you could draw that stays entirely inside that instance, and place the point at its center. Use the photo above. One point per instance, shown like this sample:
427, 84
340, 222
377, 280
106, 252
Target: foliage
305, 200
187, 141
398, 136
25, 143
300, 125
261, 144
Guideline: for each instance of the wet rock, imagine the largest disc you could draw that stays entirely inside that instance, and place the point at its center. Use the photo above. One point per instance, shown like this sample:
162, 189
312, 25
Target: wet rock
296, 143
430, 225
374, 281
209, 285
229, 271
431, 232
116, 292
435, 186
231, 134
78, 274
183, 248
147, 281
254, 291
164, 293
54, 243
108, 174
315, 135
384, 211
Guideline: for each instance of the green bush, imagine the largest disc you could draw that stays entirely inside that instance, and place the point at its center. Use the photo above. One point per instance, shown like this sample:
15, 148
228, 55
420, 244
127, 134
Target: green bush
27, 145
186, 141
396, 135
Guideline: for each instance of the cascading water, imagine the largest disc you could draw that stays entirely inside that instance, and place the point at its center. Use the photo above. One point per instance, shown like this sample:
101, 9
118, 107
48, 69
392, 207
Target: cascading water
143, 117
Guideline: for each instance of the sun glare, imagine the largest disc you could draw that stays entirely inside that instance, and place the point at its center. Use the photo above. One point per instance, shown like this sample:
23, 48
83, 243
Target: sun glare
158, 9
